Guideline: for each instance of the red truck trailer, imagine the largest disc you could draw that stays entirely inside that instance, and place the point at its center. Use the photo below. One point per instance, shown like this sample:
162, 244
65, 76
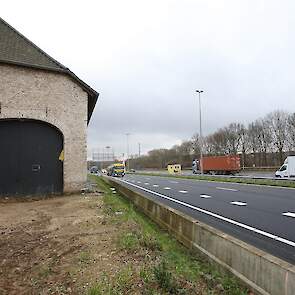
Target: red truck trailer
229, 164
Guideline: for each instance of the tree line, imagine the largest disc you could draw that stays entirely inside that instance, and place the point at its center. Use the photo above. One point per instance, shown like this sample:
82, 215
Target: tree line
263, 143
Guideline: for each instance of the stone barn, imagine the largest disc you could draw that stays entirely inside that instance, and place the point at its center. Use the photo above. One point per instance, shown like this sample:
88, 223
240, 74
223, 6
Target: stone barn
44, 113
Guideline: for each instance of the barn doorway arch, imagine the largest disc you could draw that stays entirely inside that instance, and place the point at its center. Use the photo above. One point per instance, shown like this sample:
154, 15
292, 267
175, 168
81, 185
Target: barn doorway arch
30, 162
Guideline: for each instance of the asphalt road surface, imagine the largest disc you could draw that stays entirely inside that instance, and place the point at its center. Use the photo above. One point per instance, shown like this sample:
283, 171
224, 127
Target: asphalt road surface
241, 173
259, 215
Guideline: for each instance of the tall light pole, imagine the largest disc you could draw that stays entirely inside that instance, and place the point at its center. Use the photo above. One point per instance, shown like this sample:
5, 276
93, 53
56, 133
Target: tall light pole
139, 150
107, 153
201, 135
127, 137
102, 163
113, 154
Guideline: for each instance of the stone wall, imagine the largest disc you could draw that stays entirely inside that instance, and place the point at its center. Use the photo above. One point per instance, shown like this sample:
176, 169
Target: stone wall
53, 98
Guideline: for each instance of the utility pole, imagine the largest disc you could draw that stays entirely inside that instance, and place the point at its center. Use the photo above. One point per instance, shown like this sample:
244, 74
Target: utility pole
103, 157
201, 135
113, 154
127, 137
139, 149
107, 153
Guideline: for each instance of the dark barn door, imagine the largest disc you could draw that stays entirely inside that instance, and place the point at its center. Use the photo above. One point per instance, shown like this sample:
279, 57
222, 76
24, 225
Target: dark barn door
29, 158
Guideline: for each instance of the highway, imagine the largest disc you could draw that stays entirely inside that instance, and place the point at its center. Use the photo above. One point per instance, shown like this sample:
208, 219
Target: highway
241, 173
259, 215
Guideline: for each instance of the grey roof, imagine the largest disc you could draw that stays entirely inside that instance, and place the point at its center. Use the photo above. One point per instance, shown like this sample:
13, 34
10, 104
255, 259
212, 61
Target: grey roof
18, 50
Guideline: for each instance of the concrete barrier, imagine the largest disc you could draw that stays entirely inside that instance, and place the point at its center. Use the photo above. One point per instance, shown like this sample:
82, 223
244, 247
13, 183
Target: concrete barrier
260, 271
278, 179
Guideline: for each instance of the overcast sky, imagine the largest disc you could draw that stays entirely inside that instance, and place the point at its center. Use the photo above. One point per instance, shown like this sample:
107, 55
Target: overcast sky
147, 57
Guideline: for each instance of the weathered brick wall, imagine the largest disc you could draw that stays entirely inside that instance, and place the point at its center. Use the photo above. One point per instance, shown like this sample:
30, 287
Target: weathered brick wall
53, 98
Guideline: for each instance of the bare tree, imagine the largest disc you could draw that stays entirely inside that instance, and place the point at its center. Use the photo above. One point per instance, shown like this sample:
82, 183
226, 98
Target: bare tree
233, 133
196, 144
273, 133
226, 140
186, 147
291, 131
254, 142
157, 158
244, 143
207, 146
217, 142
277, 123
265, 139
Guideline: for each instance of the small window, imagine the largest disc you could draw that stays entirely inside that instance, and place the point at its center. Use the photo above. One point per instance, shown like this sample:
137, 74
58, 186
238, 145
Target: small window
283, 168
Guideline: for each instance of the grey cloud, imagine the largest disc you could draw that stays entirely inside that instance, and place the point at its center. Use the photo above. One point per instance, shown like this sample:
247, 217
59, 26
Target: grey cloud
146, 58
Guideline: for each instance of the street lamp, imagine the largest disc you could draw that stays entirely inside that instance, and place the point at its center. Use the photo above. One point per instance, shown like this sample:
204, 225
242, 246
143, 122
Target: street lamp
139, 149
107, 153
201, 136
127, 136
102, 163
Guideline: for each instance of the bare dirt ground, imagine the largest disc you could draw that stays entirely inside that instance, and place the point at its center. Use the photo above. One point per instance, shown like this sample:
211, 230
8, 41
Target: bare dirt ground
54, 246
91, 244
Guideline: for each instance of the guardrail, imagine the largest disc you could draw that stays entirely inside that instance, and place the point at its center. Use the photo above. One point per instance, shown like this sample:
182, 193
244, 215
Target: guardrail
253, 177
223, 176
260, 271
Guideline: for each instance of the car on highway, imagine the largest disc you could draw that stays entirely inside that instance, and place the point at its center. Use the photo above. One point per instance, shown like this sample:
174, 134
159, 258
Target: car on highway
288, 168
93, 169
116, 170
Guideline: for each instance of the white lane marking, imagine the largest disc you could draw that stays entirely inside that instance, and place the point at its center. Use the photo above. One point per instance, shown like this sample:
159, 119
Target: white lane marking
242, 225
112, 188
183, 192
290, 214
205, 196
146, 183
238, 203
167, 188
227, 189
155, 185
172, 181
138, 181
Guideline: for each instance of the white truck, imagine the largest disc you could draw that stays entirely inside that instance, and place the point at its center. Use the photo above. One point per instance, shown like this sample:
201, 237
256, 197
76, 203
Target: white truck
288, 168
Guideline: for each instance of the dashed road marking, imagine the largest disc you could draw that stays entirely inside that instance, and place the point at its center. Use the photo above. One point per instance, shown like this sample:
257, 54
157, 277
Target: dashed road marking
146, 183
155, 185
205, 196
138, 181
172, 181
167, 188
217, 216
238, 203
289, 214
183, 192
227, 189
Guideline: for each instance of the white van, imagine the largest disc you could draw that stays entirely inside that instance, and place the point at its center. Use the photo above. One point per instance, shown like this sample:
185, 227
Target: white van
288, 168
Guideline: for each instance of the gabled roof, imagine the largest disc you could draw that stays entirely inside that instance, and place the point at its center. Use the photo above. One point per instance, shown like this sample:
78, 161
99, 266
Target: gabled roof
18, 50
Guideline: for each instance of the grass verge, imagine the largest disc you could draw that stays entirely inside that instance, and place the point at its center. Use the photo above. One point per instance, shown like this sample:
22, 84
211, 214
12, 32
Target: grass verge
155, 262
267, 182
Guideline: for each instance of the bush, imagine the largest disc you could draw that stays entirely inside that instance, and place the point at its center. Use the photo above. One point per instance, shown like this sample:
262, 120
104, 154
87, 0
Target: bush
164, 278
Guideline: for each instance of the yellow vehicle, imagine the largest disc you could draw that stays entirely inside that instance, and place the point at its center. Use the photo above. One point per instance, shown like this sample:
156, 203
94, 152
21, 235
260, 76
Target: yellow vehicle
174, 169
116, 169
